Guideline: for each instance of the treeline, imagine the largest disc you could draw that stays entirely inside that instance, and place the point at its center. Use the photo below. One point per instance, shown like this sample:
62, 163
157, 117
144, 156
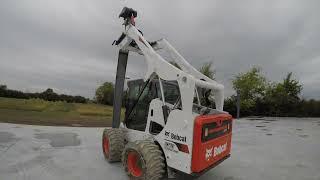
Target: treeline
260, 97
48, 95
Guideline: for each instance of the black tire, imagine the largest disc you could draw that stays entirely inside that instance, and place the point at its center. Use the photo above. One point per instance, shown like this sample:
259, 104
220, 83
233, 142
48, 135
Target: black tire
150, 160
115, 140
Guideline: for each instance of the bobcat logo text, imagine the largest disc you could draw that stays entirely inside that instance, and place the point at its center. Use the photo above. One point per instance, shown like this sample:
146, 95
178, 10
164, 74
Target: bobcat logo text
216, 151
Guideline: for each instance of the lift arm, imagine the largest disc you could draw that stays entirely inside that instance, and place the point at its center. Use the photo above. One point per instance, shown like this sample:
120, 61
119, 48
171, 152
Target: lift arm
133, 40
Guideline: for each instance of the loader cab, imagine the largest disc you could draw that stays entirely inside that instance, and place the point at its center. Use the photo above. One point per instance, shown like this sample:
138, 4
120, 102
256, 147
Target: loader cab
140, 94
139, 97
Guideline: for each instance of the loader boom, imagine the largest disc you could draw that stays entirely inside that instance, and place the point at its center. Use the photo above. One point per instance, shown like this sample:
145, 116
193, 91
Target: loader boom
166, 129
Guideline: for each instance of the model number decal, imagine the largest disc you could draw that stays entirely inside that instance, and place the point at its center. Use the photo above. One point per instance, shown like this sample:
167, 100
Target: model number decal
170, 146
175, 136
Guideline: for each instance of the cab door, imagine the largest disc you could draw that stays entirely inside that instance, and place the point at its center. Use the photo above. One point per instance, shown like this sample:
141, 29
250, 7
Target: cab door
138, 108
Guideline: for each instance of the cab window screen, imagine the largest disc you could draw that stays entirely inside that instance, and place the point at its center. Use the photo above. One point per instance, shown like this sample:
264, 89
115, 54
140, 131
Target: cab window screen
137, 118
171, 91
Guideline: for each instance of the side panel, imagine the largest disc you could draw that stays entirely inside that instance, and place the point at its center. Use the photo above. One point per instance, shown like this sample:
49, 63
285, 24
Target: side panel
176, 140
132, 135
211, 140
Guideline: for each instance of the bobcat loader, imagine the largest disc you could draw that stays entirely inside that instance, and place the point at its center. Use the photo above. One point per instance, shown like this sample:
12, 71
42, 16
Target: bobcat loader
167, 129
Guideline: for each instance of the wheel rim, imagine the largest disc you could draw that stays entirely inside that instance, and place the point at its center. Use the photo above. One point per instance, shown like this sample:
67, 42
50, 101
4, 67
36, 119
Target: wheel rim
134, 164
106, 146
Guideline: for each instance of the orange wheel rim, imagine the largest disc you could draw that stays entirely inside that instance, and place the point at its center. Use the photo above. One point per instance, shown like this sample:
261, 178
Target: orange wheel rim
106, 145
134, 164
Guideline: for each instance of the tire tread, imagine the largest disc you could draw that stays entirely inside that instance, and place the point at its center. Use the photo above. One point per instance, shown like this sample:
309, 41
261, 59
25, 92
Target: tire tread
116, 144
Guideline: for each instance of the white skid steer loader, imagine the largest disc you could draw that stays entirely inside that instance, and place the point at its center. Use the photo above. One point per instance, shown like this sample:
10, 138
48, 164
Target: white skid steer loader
167, 128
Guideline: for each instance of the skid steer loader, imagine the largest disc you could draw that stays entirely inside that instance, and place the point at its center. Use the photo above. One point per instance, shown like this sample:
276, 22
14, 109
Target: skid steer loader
167, 128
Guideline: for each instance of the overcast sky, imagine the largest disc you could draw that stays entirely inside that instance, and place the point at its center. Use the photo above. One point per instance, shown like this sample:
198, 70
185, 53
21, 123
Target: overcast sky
66, 45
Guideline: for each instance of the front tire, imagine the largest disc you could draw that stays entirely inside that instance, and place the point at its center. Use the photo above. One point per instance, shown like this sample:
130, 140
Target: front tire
112, 144
143, 160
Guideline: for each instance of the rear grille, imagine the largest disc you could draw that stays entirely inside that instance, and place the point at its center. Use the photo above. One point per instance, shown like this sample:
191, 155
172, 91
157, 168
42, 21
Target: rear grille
213, 130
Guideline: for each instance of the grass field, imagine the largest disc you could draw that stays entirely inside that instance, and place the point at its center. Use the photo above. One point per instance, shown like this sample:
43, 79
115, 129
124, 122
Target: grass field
41, 112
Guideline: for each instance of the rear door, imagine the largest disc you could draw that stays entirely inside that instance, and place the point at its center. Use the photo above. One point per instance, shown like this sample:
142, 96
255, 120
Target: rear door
211, 140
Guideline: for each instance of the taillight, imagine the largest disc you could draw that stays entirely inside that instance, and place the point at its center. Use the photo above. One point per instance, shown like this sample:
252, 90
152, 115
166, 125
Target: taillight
183, 148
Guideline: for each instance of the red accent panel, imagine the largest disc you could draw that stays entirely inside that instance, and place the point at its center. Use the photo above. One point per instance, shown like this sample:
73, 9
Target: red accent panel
205, 154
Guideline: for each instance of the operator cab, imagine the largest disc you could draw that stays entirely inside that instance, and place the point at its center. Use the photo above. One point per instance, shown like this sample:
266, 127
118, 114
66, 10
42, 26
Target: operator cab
139, 97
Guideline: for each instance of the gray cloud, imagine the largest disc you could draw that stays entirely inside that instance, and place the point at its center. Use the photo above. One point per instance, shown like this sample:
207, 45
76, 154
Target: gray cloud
66, 45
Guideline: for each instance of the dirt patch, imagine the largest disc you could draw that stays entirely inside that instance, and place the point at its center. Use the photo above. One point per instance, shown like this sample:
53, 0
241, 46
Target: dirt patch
269, 134
303, 136
6, 137
256, 119
266, 122
299, 129
260, 126
270, 120
76, 125
26, 165
300, 165
36, 148
60, 139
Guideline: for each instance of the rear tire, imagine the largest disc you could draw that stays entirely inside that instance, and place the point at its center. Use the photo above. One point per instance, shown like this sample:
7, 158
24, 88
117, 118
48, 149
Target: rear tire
112, 144
143, 160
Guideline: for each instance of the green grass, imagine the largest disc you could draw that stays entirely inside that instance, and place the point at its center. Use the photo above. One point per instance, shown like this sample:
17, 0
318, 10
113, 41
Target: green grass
41, 112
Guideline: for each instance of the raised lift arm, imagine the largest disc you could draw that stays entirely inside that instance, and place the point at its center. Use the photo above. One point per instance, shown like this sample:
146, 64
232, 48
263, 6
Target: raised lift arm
127, 14
132, 40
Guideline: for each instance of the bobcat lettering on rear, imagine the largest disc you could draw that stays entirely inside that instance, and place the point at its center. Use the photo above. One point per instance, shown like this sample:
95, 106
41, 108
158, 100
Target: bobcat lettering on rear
216, 151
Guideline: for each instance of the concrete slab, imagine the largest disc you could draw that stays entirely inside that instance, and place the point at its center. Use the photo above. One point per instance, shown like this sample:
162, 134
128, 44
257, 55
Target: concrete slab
263, 148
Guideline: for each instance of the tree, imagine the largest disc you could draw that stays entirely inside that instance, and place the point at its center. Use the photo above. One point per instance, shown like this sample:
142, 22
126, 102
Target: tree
104, 93
49, 95
206, 69
292, 86
79, 99
3, 87
252, 86
282, 99
3, 90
